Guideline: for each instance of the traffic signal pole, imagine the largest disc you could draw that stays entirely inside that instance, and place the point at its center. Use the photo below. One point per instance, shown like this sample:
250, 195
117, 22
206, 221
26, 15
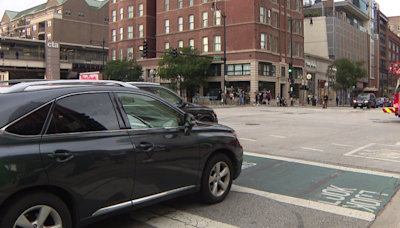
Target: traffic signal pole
291, 61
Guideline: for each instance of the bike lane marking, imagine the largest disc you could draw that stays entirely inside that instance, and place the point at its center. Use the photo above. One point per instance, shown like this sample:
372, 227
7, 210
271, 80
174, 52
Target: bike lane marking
335, 189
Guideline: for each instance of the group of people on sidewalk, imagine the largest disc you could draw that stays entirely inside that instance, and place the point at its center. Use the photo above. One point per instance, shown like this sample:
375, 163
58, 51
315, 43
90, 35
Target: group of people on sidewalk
259, 96
225, 96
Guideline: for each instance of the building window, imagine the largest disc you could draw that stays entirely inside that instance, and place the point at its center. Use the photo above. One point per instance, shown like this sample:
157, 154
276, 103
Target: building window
28, 31
191, 43
106, 19
390, 44
191, 22
266, 69
217, 19
48, 36
166, 23
113, 1
276, 44
270, 42
205, 44
113, 35
190, 2
130, 11
113, 16
59, 11
166, 5
129, 53
288, 4
296, 5
269, 16
390, 56
180, 24
180, 4
121, 13
130, 32
239, 69
214, 70
48, 23
121, 54
34, 28
205, 19
297, 26
204, 1
121, 33
275, 1
140, 10
180, 44
297, 49
113, 54
275, 19
68, 12
140, 31
217, 43
263, 14
289, 25
283, 71
140, 54
166, 46
81, 14
263, 40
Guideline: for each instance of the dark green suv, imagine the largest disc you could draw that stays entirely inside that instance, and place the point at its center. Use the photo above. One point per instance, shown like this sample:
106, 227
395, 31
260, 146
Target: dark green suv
71, 154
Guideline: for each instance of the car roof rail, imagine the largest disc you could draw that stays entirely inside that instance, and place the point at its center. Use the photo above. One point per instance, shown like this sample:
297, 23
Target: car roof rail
21, 87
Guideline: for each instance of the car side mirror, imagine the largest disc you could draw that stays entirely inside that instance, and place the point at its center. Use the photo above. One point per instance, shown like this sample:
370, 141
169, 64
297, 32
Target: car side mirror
189, 123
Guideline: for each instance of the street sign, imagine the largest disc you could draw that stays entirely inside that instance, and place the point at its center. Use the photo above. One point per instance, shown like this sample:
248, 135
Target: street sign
217, 57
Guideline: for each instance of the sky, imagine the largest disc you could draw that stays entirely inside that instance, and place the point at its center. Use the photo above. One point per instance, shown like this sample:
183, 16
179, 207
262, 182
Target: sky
388, 7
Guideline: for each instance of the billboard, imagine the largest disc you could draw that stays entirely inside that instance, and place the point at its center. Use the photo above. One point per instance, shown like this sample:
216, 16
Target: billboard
52, 50
89, 76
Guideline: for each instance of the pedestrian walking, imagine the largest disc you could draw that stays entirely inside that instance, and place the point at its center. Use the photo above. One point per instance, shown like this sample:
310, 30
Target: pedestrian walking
337, 100
325, 105
277, 101
231, 97
269, 95
308, 99
261, 97
242, 98
223, 99
17, 55
256, 97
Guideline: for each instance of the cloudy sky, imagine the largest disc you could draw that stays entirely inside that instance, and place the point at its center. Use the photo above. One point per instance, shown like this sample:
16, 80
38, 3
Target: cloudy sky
388, 7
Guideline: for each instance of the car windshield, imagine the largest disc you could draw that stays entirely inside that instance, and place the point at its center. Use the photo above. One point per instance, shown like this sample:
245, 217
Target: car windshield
363, 95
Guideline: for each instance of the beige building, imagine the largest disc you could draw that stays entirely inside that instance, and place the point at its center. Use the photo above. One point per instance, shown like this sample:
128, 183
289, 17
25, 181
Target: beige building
70, 21
394, 25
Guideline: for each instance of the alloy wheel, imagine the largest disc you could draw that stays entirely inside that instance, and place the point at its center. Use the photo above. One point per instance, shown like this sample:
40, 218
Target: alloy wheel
39, 216
219, 179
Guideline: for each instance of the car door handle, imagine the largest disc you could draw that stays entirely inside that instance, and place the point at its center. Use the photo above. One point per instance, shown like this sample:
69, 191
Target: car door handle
61, 155
146, 146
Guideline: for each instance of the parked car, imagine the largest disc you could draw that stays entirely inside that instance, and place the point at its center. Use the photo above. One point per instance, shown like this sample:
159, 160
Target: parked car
72, 155
381, 101
201, 112
365, 100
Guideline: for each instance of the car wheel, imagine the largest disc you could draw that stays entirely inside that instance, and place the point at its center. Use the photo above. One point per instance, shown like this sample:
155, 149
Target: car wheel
38, 209
354, 107
368, 106
216, 180
207, 120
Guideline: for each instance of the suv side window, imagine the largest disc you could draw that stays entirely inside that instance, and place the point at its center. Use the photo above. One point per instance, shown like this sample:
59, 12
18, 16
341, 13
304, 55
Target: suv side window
31, 124
82, 113
167, 95
147, 112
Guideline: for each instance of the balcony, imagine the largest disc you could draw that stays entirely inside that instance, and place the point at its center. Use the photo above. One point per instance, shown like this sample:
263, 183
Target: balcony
41, 29
23, 24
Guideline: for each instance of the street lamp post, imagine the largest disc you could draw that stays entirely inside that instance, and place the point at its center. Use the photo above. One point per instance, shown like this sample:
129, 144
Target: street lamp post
103, 45
214, 7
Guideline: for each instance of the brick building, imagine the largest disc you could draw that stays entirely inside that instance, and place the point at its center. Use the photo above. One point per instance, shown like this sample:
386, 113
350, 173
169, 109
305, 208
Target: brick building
72, 21
257, 38
394, 57
394, 25
381, 52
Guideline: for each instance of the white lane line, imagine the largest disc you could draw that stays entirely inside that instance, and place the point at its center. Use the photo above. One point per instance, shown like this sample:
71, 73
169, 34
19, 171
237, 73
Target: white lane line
278, 136
308, 204
308, 148
377, 173
336, 144
247, 139
164, 217
358, 149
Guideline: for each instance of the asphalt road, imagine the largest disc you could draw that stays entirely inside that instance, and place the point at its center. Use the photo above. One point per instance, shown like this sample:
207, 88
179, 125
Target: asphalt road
304, 167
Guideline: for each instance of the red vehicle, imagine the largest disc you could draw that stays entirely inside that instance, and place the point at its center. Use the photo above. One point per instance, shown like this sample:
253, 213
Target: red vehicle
395, 69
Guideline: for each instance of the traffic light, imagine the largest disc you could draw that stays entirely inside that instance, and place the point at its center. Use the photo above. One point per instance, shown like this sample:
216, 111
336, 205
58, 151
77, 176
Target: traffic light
175, 52
290, 68
288, 80
144, 48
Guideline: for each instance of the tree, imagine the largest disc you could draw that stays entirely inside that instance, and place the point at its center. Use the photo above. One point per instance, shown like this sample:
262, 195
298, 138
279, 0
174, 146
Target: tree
347, 73
185, 69
123, 70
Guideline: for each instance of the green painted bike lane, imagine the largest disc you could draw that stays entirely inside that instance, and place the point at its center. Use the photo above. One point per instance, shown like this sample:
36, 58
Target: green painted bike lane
347, 189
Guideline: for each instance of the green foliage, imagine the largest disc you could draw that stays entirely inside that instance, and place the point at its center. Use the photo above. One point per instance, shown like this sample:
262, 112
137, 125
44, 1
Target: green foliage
348, 73
123, 70
192, 70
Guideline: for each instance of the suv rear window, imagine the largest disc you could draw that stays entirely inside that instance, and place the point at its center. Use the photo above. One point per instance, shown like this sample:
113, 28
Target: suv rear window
31, 124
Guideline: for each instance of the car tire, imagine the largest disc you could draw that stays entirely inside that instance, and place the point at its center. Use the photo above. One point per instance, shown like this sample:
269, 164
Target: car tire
368, 106
221, 181
207, 120
28, 206
354, 107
